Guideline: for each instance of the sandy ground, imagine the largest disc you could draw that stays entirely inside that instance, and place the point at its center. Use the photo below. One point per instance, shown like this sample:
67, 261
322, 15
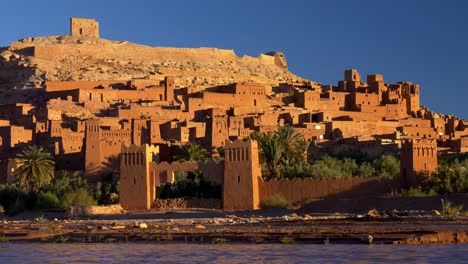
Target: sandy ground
216, 226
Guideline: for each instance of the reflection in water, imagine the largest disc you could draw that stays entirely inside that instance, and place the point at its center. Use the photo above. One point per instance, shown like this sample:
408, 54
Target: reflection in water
229, 253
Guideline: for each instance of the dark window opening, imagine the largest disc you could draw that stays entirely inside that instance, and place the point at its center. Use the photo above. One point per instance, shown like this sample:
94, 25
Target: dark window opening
238, 178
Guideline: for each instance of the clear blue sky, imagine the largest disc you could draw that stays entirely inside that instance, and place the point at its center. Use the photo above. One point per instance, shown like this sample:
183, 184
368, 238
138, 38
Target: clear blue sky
421, 41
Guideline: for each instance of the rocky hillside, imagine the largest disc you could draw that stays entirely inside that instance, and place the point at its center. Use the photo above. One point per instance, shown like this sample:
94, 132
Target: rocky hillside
27, 63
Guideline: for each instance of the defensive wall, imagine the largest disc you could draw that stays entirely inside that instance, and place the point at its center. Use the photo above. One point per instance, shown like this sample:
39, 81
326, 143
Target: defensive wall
240, 176
299, 190
144, 53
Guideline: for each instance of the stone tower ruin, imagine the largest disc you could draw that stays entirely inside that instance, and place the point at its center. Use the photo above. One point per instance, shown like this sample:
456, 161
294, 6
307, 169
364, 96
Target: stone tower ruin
136, 181
92, 147
241, 175
84, 27
417, 157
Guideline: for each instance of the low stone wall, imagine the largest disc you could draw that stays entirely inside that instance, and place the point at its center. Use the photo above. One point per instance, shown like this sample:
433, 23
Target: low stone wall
298, 190
76, 211
186, 202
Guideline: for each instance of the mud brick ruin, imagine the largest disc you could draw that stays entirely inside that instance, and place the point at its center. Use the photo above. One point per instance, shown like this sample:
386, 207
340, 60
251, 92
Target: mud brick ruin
113, 108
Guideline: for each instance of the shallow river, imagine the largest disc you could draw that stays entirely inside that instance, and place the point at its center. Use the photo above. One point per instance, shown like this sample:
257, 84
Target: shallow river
229, 253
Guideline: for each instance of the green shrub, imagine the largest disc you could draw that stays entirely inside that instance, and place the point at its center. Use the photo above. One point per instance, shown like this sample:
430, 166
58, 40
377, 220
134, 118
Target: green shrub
107, 193
62, 239
417, 192
218, 240
12, 199
296, 170
8, 195
286, 240
17, 207
47, 200
387, 166
275, 201
450, 177
1, 209
451, 209
80, 196
190, 184
3, 239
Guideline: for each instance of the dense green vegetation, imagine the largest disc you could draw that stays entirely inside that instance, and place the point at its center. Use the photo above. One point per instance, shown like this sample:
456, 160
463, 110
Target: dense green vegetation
190, 184
40, 187
451, 177
281, 148
275, 201
385, 166
283, 155
191, 152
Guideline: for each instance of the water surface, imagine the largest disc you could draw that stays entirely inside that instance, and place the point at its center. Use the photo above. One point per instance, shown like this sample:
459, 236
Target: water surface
229, 253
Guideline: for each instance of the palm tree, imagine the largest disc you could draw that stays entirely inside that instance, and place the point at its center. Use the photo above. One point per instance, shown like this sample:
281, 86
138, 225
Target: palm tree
191, 152
285, 146
271, 151
35, 167
294, 144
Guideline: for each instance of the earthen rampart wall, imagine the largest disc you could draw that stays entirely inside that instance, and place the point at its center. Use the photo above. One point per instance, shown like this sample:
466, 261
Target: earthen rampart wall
298, 190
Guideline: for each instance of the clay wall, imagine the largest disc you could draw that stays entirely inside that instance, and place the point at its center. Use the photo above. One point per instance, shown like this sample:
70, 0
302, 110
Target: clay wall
312, 131
136, 52
216, 131
360, 99
14, 112
463, 144
308, 99
7, 171
227, 100
416, 122
420, 132
102, 147
325, 104
199, 129
459, 145
344, 129
251, 89
439, 125
395, 111
102, 95
56, 86
459, 134
72, 142
353, 115
267, 119
164, 172
137, 111
298, 190
109, 122
15, 136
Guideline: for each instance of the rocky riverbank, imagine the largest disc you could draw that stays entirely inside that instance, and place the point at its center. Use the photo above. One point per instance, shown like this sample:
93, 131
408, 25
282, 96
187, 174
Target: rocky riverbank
253, 227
